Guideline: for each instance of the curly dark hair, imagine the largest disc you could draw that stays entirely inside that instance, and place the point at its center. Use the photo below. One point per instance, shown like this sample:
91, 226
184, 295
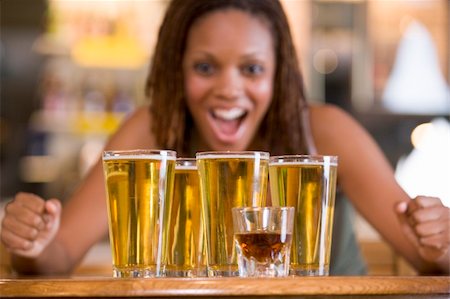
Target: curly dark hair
171, 120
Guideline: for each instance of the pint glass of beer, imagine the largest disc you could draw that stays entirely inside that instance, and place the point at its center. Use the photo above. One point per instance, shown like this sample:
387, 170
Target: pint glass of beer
186, 248
228, 180
139, 184
307, 183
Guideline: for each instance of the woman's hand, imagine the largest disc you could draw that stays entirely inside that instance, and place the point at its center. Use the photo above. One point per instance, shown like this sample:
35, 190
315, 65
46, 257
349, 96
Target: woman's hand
426, 222
30, 224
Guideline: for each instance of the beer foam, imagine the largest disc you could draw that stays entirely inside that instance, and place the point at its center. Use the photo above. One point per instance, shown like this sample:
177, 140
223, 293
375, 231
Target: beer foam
298, 163
233, 156
139, 157
185, 167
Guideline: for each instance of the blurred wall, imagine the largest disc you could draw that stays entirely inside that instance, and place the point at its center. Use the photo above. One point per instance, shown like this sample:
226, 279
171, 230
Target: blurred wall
21, 22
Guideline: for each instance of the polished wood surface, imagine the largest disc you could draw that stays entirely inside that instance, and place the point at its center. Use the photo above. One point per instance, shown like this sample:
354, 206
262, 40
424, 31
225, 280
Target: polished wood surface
389, 286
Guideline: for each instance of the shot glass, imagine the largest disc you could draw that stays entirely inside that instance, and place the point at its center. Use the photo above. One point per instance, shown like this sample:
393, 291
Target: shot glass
227, 180
186, 249
263, 237
139, 184
307, 183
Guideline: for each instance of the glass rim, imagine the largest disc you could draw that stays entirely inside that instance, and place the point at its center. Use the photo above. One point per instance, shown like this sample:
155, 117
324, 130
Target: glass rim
186, 163
302, 159
232, 154
141, 153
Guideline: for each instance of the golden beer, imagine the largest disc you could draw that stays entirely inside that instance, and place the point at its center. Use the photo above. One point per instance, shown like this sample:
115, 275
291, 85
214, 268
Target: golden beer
138, 185
185, 246
228, 180
307, 183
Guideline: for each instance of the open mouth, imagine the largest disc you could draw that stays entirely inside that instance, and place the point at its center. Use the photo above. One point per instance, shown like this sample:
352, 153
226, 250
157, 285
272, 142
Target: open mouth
228, 121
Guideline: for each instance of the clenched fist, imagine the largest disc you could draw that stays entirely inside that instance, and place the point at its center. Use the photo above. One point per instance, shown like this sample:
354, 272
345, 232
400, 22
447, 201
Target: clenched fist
30, 224
426, 222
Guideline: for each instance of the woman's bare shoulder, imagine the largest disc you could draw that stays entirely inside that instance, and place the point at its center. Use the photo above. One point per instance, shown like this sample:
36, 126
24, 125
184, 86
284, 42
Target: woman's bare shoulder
331, 126
335, 131
324, 114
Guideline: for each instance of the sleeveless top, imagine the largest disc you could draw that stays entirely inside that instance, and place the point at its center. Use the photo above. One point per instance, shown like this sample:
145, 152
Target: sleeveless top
346, 257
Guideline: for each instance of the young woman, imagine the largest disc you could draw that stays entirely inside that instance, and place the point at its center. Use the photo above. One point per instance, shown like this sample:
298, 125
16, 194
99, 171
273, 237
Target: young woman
225, 77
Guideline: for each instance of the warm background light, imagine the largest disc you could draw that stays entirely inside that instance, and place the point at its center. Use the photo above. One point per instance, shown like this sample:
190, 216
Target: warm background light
419, 132
426, 170
325, 61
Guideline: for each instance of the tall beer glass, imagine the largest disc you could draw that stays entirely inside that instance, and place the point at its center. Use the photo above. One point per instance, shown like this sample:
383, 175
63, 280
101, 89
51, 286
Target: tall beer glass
186, 246
307, 183
228, 180
138, 185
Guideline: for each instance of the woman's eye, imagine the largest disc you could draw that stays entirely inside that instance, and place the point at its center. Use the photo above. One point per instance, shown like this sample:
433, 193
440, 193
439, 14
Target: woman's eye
253, 69
204, 68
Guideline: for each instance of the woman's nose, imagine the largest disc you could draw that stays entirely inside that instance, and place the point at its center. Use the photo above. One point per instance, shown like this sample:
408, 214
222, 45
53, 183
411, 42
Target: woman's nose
229, 84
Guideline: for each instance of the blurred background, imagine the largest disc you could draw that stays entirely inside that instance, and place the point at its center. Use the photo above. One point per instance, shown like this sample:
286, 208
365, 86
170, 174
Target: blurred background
72, 70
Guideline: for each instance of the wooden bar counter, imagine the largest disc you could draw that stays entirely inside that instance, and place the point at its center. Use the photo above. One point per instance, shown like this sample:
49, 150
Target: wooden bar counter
290, 287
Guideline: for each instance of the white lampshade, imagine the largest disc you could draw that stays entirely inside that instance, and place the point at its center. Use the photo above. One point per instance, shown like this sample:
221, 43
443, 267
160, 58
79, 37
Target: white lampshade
416, 84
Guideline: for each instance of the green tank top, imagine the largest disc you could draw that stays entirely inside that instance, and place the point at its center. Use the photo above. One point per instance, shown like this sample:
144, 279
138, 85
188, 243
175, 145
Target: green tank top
346, 257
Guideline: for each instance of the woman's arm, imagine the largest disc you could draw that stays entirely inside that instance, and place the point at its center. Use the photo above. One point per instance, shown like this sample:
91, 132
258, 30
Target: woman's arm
84, 218
368, 180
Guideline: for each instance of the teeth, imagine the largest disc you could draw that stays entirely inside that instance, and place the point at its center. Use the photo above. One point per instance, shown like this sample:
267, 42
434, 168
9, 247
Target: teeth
229, 114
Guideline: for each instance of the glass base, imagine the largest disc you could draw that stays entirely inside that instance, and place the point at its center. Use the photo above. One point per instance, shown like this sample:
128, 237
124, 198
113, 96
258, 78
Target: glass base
191, 273
230, 271
267, 267
134, 273
305, 271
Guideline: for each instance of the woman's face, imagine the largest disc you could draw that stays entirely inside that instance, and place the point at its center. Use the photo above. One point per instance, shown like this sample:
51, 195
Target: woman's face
229, 67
